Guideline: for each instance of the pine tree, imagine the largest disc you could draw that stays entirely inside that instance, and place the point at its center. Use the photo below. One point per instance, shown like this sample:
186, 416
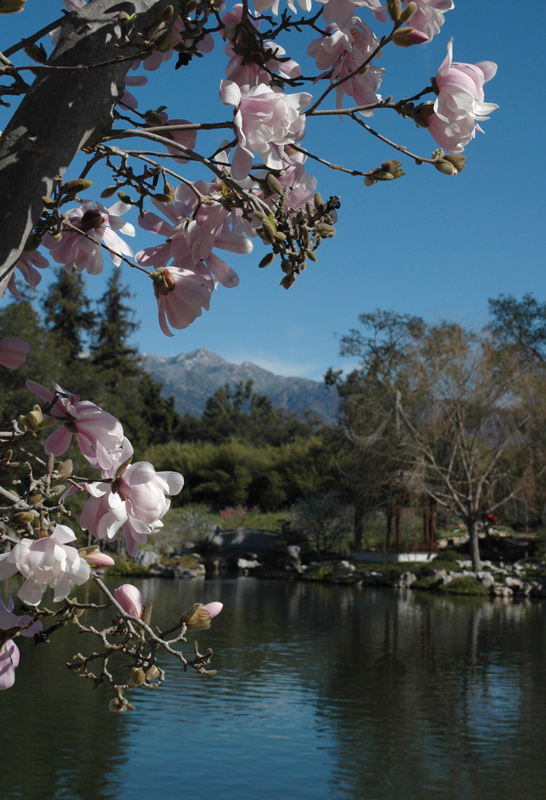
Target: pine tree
68, 314
110, 350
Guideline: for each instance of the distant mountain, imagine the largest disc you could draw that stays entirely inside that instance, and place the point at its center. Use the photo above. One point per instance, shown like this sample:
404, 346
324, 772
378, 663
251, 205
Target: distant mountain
191, 378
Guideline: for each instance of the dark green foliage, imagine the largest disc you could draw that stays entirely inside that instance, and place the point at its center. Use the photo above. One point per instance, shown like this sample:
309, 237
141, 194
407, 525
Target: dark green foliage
68, 314
239, 413
238, 473
466, 584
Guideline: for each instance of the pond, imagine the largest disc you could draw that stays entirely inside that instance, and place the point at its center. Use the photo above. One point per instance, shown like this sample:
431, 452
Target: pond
321, 692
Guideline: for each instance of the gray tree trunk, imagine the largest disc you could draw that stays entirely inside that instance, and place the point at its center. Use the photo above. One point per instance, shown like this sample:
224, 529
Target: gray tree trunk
474, 545
62, 112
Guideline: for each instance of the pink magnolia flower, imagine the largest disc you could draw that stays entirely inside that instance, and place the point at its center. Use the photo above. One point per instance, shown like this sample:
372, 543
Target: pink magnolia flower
79, 252
265, 119
98, 559
13, 352
9, 620
251, 74
135, 502
129, 100
341, 53
9, 661
342, 11
130, 599
181, 295
9, 652
99, 434
50, 561
213, 608
460, 103
429, 16
26, 265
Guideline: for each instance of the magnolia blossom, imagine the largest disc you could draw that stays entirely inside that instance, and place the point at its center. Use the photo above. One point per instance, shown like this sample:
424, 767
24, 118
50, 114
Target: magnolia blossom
10, 620
266, 119
251, 74
28, 261
13, 352
97, 559
460, 102
99, 434
9, 661
9, 652
429, 16
193, 231
130, 599
341, 11
213, 608
342, 52
129, 100
49, 561
135, 501
80, 252
181, 295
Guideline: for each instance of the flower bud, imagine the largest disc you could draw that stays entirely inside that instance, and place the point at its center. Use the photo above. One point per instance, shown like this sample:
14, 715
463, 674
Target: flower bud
288, 281
274, 184
22, 517
119, 705
325, 230
34, 419
311, 255
445, 167
319, 202
166, 14
91, 219
11, 6
75, 186
65, 470
109, 191
407, 37
381, 175
137, 677
458, 161
152, 673
407, 13
394, 8
94, 557
267, 260
125, 198
199, 616
130, 599
268, 232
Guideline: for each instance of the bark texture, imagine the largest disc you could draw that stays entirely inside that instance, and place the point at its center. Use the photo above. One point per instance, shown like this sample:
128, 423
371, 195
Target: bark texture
63, 111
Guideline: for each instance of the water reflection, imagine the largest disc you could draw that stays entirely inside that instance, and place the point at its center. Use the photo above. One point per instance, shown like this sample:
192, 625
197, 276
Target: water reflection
321, 691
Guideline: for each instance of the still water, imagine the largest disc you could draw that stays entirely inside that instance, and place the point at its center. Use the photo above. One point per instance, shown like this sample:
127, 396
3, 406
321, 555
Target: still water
322, 693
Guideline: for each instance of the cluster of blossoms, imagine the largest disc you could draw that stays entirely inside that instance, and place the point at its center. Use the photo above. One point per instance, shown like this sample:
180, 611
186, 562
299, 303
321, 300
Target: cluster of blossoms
269, 122
130, 497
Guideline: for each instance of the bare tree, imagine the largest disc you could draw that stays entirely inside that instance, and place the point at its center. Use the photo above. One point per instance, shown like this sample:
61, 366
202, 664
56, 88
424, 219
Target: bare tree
461, 414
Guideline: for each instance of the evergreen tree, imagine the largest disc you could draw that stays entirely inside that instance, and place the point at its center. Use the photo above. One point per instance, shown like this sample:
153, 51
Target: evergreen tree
110, 350
68, 314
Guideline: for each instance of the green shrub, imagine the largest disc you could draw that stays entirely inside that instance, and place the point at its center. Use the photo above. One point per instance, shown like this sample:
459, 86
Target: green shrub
466, 584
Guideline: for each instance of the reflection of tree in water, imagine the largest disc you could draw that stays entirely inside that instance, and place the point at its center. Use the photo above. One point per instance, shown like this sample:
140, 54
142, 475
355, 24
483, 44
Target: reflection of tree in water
72, 744
434, 695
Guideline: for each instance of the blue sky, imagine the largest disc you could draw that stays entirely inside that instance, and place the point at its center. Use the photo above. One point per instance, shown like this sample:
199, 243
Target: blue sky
427, 244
